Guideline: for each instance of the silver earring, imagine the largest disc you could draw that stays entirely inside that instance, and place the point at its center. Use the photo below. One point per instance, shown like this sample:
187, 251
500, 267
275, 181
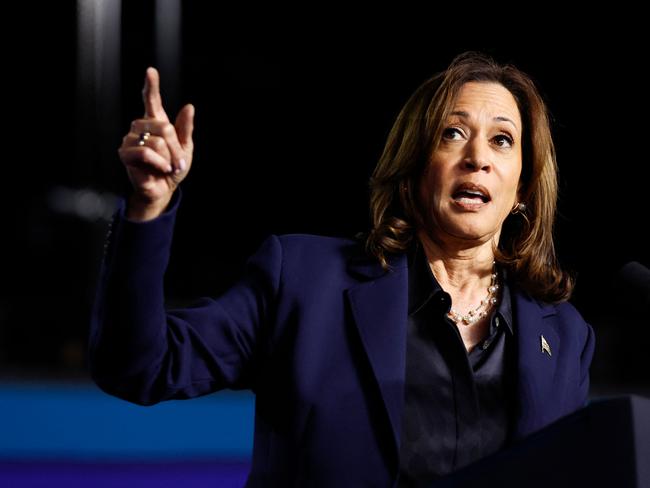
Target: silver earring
518, 208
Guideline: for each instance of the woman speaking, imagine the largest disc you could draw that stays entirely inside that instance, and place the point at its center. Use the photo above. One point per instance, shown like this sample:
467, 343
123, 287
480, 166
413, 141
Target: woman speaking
441, 335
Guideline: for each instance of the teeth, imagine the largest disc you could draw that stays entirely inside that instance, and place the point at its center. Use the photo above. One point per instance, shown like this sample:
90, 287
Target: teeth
469, 200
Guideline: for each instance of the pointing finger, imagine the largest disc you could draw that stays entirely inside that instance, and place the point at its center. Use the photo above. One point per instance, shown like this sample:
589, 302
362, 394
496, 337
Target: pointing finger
153, 107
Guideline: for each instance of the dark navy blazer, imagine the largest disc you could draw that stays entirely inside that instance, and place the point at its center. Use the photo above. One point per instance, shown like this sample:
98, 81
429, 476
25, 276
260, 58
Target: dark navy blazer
317, 330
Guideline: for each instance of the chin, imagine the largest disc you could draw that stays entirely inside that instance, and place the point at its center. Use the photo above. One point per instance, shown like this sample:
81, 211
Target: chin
476, 227
469, 231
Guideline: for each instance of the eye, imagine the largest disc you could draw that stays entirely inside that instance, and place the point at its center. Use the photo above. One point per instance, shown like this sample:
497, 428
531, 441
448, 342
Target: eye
504, 140
449, 133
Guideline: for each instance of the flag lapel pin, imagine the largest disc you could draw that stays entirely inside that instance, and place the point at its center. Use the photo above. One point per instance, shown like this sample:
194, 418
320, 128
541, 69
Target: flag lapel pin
545, 347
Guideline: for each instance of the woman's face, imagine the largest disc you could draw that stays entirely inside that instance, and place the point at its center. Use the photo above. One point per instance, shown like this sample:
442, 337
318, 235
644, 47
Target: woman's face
470, 183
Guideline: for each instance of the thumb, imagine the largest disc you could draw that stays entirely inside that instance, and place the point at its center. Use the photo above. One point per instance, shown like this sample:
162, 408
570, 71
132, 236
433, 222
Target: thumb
184, 125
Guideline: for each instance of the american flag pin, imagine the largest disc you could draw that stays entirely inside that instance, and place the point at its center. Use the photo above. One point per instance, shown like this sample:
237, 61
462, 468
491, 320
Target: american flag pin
545, 346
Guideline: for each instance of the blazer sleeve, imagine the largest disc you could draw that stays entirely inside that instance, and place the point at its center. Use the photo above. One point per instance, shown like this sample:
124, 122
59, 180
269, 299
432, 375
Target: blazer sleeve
144, 353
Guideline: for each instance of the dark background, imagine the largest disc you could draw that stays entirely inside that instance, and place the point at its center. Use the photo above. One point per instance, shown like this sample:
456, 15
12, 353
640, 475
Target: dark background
290, 123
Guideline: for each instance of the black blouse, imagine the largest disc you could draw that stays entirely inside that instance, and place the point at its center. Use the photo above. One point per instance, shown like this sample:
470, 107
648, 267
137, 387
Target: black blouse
458, 406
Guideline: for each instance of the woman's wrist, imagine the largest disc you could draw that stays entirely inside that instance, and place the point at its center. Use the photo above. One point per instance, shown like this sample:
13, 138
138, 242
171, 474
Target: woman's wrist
141, 210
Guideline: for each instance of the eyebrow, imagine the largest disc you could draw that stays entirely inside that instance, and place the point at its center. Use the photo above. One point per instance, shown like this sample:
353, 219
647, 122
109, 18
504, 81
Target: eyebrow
461, 113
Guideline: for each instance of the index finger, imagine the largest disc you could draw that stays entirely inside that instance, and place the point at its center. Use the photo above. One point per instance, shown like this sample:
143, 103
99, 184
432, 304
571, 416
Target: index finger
151, 96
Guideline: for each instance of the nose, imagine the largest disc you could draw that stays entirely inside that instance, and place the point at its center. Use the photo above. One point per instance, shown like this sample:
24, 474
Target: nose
477, 157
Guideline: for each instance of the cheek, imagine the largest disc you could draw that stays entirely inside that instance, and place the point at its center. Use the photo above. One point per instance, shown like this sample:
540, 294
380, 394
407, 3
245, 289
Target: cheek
516, 185
433, 180
429, 192
511, 182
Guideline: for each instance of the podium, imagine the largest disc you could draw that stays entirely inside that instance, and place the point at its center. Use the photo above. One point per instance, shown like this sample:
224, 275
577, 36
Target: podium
605, 444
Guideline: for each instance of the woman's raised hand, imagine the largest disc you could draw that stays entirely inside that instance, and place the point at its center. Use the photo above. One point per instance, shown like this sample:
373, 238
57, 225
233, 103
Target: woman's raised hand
157, 155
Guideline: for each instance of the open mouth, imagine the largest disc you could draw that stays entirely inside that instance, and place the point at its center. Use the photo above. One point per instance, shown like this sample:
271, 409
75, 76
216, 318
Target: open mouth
471, 194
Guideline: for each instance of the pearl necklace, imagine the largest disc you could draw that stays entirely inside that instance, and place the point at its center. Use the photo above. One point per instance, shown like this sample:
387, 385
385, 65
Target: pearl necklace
481, 311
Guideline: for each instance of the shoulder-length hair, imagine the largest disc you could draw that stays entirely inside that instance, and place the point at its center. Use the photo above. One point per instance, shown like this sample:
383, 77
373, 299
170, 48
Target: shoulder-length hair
525, 246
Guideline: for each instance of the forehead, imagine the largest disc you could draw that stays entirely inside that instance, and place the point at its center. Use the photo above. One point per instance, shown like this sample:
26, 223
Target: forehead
486, 99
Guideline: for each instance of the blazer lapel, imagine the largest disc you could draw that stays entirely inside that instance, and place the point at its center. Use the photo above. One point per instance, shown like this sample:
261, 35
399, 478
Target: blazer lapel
379, 307
536, 367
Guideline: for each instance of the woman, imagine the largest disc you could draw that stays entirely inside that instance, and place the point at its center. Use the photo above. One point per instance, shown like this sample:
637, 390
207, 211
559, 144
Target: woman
440, 337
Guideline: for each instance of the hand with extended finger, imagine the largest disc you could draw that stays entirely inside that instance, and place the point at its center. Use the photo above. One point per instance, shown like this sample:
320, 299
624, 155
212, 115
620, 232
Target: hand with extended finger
157, 155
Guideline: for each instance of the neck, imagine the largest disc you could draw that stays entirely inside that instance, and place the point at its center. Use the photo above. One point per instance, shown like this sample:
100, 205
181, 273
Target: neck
463, 271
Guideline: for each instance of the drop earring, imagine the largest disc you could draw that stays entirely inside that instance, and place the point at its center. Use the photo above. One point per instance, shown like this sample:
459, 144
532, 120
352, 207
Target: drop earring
518, 208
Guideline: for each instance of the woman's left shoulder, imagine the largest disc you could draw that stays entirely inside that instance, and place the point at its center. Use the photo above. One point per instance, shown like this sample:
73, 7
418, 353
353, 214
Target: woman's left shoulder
569, 313
563, 316
572, 323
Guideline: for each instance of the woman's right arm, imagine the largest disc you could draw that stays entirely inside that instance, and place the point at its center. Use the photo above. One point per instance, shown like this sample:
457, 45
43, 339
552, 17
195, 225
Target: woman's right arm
145, 353
138, 350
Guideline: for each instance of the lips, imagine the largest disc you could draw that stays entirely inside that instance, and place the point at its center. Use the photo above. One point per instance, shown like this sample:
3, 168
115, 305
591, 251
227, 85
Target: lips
471, 193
